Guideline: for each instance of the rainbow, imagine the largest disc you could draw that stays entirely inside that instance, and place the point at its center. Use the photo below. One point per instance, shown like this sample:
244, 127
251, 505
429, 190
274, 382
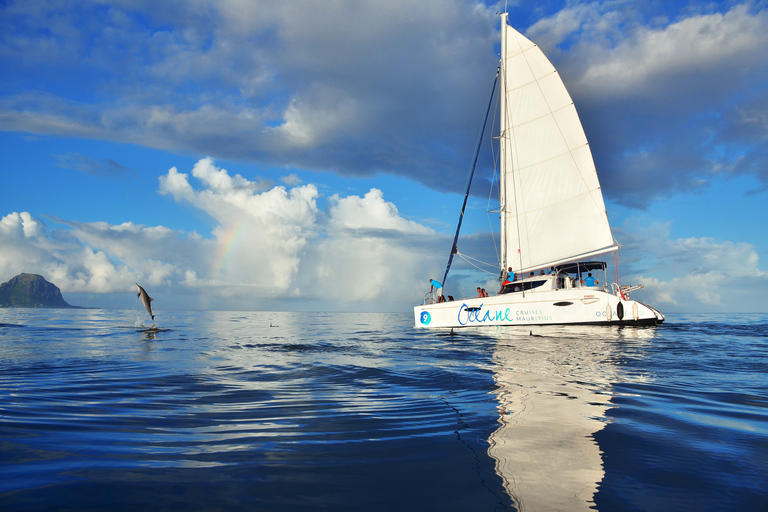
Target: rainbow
227, 244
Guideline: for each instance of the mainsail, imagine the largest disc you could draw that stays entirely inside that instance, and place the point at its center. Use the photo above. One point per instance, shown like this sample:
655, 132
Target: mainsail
552, 208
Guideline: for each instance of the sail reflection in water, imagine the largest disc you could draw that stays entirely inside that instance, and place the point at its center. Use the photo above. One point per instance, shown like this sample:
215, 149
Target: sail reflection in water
554, 387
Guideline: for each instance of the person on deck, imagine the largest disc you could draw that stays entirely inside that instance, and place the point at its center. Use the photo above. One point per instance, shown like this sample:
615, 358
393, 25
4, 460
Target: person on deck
435, 288
508, 276
590, 281
504, 277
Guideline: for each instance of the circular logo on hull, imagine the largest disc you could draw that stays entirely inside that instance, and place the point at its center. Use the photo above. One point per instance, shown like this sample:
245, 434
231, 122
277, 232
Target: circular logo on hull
425, 318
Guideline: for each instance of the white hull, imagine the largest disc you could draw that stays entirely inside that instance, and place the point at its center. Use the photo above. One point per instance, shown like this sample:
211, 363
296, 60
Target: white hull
550, 307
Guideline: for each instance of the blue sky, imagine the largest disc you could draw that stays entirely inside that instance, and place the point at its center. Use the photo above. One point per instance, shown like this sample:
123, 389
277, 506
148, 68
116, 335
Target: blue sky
302, 155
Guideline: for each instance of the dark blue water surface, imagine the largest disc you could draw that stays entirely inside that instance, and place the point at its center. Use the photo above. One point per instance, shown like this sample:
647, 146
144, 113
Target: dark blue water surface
316, 411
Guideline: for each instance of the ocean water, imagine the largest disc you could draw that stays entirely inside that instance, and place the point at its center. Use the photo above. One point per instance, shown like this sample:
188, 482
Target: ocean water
297, 411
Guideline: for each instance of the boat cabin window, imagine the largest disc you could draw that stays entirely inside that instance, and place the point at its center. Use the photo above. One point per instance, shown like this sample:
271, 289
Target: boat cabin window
525, 285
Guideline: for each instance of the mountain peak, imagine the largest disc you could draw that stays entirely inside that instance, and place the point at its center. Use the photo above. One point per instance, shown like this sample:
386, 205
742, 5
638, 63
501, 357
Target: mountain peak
31, 291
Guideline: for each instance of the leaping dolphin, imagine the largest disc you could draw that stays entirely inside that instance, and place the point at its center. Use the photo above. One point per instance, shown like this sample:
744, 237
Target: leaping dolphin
145, 299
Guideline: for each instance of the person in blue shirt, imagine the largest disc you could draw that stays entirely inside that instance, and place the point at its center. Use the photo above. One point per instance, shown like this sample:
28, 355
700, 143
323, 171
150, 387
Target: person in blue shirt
590, 281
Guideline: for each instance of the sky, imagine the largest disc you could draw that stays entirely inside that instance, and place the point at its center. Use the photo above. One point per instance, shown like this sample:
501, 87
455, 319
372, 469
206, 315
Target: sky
312, 156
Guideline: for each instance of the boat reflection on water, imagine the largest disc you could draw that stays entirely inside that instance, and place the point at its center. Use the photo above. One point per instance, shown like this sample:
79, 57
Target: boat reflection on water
554, 388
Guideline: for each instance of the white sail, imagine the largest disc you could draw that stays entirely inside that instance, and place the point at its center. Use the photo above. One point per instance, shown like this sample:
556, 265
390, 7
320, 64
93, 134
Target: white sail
552, 206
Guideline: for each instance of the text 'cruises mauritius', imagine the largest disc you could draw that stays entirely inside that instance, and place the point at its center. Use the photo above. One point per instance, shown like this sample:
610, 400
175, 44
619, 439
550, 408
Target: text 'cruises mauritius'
552, 213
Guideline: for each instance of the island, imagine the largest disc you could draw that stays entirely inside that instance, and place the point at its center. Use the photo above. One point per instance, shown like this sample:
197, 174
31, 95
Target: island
31, 291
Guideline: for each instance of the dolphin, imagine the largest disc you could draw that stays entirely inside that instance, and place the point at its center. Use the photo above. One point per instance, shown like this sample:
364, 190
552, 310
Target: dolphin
153, 330
145, 299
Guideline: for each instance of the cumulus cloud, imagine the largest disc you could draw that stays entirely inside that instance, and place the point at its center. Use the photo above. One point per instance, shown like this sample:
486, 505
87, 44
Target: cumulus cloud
261, 235
269, 244
682, 52
371, 249
691, 274
95, 257
370, 212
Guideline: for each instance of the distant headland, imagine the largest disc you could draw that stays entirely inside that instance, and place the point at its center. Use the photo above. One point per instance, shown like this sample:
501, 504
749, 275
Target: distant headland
31, 291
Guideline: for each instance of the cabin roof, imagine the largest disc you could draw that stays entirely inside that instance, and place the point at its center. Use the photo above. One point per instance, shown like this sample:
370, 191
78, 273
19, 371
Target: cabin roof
584, 266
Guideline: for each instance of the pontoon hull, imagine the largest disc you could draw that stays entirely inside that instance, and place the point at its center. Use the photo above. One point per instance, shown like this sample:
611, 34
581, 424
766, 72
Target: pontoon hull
574, 306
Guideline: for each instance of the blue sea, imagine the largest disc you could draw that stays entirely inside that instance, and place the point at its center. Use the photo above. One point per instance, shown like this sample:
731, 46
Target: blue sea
324, 411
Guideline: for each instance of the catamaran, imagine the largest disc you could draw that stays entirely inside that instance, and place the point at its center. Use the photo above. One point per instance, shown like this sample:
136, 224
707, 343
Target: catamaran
553, 218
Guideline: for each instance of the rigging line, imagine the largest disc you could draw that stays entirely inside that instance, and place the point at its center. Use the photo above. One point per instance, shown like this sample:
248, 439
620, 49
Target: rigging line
493, 180
465, 258
469, 178
477, 267
490, 224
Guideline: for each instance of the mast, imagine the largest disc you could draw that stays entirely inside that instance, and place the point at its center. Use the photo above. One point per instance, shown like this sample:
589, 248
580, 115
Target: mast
502, 144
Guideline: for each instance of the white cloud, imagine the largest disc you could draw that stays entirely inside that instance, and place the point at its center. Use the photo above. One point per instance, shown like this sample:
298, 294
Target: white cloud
267, 245
20, 225
370, 212
648, 60
690, 291
551, 31
692, 274
371, 251
260, 236
291, 180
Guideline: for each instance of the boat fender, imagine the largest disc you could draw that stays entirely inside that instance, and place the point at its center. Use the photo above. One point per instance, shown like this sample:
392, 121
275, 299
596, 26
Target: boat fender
620, 311
635, 311
608, 312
